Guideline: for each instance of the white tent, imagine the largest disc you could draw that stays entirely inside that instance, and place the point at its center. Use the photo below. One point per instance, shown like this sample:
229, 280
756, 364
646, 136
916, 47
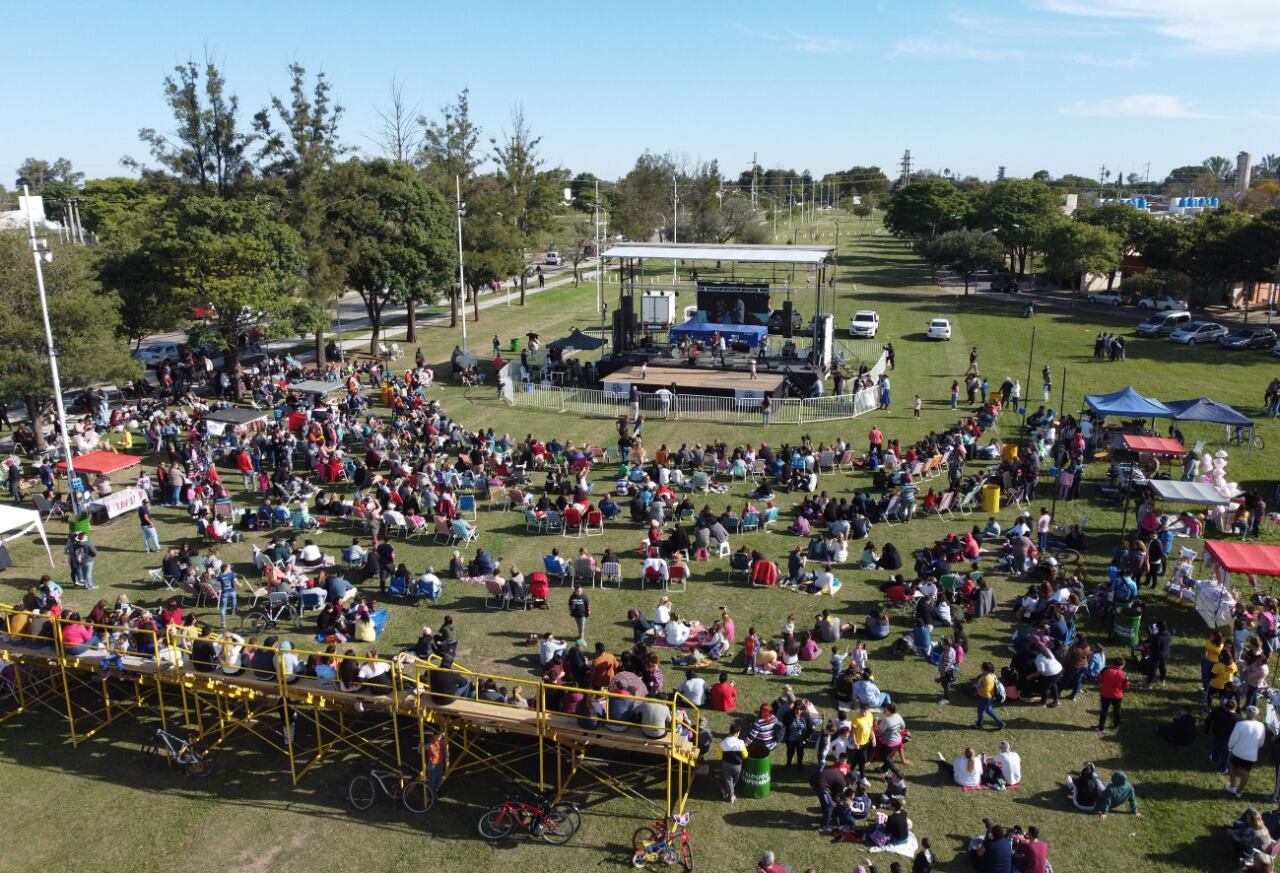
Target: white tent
1188, 492
16, 522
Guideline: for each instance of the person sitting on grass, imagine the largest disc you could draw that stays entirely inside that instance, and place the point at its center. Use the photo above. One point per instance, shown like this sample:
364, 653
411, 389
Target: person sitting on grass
1249, 834
1120, 791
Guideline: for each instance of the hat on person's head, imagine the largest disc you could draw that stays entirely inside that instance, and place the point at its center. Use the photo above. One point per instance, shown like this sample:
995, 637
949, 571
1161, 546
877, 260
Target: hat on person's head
580, 643
285, 645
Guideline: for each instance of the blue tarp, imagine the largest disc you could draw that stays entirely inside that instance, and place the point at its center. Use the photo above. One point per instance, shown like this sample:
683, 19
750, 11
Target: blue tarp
695, 330
1204, 409
1126, 401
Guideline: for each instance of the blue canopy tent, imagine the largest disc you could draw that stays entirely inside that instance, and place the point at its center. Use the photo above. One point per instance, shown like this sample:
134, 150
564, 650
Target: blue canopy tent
1212, 412
702, 330
1126, 401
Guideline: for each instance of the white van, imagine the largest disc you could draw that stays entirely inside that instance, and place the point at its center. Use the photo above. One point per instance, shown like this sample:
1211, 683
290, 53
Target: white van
1164, 323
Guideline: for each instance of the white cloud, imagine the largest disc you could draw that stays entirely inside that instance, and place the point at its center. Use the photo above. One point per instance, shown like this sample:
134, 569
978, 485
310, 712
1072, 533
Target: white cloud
804, 43
950, 50
1134, 106
1204, 26
1120, 63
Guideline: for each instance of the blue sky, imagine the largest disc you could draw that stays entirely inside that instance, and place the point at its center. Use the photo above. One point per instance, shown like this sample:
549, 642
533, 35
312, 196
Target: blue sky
1064, 85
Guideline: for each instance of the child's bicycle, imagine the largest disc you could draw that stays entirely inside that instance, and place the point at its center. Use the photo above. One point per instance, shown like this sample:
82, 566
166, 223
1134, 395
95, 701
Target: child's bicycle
662, 842
176, 751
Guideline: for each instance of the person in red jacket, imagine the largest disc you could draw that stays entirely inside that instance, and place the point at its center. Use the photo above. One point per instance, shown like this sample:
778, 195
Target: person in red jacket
1114, 683
724, 694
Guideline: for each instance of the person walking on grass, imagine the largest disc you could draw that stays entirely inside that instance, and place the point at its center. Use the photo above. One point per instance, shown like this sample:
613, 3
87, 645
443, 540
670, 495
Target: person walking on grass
1113, 683
579, 610
915, 408
1246, 742
732, 753
955, 394
986, 689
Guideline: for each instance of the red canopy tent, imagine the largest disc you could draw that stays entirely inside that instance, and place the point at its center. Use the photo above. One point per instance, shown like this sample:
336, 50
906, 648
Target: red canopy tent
102, 462
1252, 558
1152, 445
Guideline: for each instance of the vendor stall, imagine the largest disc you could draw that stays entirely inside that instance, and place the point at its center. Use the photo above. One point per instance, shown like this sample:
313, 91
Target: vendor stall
16, 521
319, 387
236, 418
104, 462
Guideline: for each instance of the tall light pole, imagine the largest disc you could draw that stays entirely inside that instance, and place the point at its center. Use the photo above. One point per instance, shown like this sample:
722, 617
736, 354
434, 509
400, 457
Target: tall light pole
675, 221
38, 254
462, 286
599, 259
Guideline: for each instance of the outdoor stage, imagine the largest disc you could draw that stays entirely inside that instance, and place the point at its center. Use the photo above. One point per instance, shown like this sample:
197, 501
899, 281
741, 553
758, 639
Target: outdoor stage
694, 380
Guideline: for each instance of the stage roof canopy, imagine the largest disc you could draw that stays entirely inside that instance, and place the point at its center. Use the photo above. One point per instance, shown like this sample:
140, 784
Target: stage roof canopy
809, 256
577, 340
1253, 558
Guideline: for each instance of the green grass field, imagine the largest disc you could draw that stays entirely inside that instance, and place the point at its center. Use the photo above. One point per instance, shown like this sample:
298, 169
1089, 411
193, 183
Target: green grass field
91, 803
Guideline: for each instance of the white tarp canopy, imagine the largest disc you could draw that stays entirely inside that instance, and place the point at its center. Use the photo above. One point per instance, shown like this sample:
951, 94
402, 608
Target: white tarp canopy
1188, 492
16, 521
812, 256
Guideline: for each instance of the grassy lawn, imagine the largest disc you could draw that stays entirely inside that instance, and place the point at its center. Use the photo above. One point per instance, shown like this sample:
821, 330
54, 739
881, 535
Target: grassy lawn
248, 816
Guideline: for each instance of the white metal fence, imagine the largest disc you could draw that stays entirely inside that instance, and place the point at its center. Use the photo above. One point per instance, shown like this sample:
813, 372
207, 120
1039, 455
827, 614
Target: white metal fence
698, 407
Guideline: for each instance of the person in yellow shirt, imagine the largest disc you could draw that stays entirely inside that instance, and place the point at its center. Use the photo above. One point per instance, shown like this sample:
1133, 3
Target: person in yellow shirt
1222, 677
862, 740
985, 688
1212, 650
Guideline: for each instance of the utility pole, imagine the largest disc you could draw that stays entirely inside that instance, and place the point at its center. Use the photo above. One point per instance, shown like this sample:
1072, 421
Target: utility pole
755, 176
906, 167
675, 221
599, 259
39, 253
462, 285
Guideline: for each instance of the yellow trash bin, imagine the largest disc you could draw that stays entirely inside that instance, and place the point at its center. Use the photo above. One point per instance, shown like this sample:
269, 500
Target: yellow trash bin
991, 499
1010, 453
387, 393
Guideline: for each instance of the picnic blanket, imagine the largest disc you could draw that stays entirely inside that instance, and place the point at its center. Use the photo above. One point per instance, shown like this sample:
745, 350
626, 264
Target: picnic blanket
988, 787
907, 848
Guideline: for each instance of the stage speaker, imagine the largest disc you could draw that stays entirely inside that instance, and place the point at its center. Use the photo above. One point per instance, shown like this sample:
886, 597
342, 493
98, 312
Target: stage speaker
787, 317
629, 315
619, 333
741, 346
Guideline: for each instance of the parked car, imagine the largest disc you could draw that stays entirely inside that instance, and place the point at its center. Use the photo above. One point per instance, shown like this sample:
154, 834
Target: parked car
864, 324
1005, 283
1164, 323
157, 353
1198, 332
776, 321
552, 259
939, 328
1162, 303
1249, 338
1107, 298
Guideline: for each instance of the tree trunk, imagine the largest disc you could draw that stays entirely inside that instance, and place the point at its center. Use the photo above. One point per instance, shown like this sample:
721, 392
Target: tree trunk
575, 276
475, 304
375, 329
453, 307
966, 283
36, 419
321, 357
231, 363
523, 277
411, 335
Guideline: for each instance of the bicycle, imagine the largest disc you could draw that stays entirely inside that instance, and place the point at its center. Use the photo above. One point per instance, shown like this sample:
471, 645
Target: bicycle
177, 751
275, 613
415, 794
668, 844
1240, 436
555, 823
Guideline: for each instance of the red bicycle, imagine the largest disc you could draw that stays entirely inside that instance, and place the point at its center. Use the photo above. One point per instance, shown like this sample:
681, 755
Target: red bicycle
662, 843
553, 823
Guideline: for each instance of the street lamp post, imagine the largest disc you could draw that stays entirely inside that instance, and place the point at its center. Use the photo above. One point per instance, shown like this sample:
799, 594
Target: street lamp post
38, 254
462, 287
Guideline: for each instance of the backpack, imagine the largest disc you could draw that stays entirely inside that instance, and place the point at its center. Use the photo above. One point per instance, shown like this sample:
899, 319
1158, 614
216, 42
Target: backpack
998, 694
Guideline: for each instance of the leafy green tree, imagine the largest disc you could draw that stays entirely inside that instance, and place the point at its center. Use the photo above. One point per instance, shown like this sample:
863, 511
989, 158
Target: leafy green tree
644, 198
1220, 167
528, 197
451, 149
84, 322
1256, 248
1132, 225
1021, 211
1073, 248
38, 173
1209, 253
1153, 283
234, 262
299, 143
965, 251
207, 149
925, 207
112, 205
859, 181
393, 234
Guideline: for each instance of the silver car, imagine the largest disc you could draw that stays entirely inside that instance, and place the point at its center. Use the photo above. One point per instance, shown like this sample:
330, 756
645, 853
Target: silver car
1198, 332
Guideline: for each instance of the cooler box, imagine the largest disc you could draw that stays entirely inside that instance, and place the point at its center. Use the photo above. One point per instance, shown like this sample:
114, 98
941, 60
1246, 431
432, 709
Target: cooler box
757, 777
991, 499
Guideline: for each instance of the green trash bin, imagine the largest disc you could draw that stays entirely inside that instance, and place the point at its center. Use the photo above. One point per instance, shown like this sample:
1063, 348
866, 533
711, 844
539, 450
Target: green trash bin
77, 525
515, 345
757, 777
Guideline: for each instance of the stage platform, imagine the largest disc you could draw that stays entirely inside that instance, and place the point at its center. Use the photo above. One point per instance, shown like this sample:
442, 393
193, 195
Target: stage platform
699, 378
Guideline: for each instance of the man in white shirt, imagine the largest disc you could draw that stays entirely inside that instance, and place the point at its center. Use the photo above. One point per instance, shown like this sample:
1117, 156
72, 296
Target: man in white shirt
694, 687
732, 750
662, 614
1010, 763
310, 554
1020, 528
548, 648
1243, 747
